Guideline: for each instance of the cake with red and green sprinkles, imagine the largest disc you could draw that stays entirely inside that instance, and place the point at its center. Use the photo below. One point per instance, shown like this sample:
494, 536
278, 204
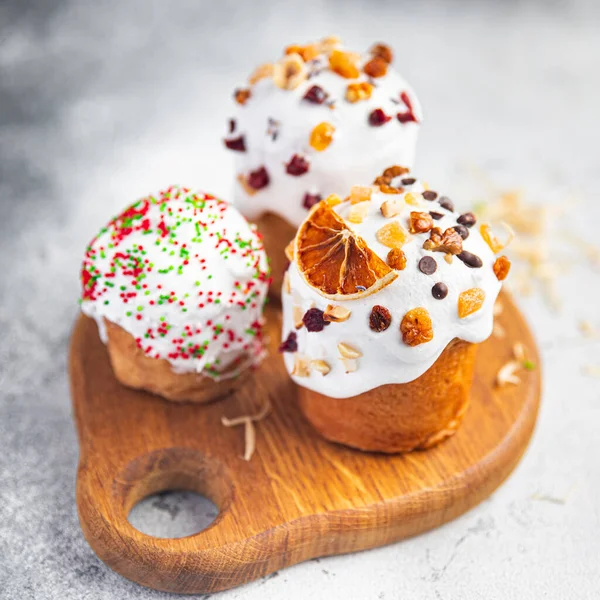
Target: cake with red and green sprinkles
177, 285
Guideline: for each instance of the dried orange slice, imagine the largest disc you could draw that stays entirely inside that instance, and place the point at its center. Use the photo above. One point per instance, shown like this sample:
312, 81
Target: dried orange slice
336, 261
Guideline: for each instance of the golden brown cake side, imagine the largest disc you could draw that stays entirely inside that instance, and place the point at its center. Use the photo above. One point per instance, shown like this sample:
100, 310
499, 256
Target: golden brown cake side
399, 417
136, 370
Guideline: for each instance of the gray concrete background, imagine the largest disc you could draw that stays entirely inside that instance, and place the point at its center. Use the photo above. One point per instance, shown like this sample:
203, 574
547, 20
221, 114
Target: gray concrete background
103, 102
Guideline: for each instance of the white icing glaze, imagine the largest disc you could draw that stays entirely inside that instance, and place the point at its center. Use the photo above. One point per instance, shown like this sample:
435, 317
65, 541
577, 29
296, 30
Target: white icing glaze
385, 357
357, 153
197, 297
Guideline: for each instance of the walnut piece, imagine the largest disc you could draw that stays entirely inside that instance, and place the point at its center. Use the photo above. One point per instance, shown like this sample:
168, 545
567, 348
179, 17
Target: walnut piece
420, 222
448, 241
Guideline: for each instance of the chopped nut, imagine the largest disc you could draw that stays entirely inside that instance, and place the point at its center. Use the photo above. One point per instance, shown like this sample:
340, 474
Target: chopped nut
350, 364
344, 64
392, 235
416, 327
470, 301
358, 212
492, 241
501, 267
336, 313
388, 189
383, 51
348, 351
449, 241
297, 316
380, 318
301, 366
321, 136
289, 251
376, 67
391, 208
420, 222
518, 350
308, 52
320, 366
359, 91
507, 374
360, 193
289, 72
241, 96
261, 72
395, 171
396, 259
286, 283
449, 258
333, 200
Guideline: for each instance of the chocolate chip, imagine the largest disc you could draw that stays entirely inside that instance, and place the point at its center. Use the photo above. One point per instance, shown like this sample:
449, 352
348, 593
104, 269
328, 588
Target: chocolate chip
428, 265
310, 200
408, 181
378, 118
298, 165
290, 344
430, 195
238, 144
316, 94
467, 219
470, 259
380, 318
436, 215
439, 291
446, 203
313, 320
462, 231
258, 179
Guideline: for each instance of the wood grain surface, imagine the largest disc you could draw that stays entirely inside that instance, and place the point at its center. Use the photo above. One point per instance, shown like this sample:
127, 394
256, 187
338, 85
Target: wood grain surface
300, 496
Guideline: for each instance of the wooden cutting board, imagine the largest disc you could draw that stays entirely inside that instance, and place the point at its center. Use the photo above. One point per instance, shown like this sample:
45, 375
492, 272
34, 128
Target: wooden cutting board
299, 497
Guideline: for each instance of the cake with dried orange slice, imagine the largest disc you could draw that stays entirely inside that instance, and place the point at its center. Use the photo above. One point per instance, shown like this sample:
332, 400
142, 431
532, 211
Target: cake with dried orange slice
387, 296
313, 123
177, 284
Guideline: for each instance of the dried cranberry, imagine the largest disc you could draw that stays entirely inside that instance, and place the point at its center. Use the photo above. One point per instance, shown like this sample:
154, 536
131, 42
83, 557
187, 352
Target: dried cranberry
258, 179
238, 144
232, 125
313, 320
408, 116
290, 344
378, 118
298, 165
316, 94
310, 200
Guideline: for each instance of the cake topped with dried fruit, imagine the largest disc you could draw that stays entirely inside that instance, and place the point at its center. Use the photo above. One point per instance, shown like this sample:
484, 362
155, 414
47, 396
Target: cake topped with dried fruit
381, 282
184, 274
316, 121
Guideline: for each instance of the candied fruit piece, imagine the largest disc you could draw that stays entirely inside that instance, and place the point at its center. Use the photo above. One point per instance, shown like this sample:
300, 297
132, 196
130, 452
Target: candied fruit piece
416, 327
376, 67
470, 301
392, 235
383, 51
492, 241
359, 91
358, 212
391, 208
344, 64
321, 136
360, 193
396, 259
241, 96
501, 267
377, 118
380, 318
307, 52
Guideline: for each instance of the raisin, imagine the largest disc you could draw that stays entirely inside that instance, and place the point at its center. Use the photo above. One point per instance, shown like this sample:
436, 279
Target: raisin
501, 267
396, 259
380, 318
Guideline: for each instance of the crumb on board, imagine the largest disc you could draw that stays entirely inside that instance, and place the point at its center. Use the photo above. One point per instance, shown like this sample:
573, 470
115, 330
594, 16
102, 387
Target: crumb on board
249, 429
